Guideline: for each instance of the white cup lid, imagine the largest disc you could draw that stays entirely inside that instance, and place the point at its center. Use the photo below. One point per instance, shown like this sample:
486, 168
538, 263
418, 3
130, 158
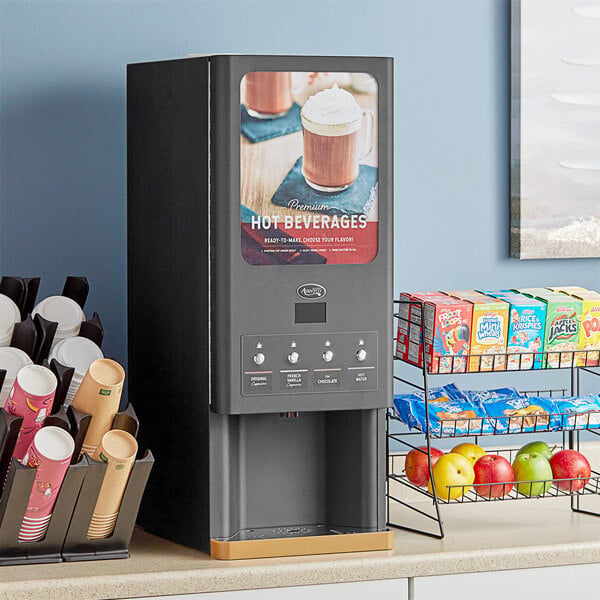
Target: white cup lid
12, 360
37, 380
54, 443
9, 315
78, 352
66, 312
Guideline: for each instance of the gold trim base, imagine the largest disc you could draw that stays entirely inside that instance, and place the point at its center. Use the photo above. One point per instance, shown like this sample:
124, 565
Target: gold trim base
299, 546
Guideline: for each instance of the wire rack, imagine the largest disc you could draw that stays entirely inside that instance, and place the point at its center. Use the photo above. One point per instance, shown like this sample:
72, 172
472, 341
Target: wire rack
575, 363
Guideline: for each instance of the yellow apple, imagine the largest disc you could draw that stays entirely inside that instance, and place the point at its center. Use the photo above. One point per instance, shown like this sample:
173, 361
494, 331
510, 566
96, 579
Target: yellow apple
471, 451
449, 470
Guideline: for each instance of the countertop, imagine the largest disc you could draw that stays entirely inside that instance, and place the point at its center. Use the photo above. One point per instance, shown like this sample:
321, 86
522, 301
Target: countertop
479, 537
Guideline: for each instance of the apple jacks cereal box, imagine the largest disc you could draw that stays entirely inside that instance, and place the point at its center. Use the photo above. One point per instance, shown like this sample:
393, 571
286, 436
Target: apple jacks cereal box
447, 331
525, 331
561, 335
489, 330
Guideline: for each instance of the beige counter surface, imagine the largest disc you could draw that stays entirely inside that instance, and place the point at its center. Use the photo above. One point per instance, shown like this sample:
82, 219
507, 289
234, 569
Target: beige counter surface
479, 537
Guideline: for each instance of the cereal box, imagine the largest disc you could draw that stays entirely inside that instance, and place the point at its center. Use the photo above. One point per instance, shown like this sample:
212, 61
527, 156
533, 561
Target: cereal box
526, 326
409, 342
412, 312
563, 316
447, 332
569, 289
489, 330
589, 333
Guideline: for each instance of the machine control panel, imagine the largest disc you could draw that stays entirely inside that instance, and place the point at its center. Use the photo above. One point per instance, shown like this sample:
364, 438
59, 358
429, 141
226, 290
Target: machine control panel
309, 363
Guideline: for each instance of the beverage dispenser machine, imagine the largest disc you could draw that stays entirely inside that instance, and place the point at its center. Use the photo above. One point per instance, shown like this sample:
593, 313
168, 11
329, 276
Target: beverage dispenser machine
259, 298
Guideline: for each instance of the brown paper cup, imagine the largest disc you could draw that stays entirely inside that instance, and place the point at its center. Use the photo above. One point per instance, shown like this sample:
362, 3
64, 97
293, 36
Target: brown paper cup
99, 395
117, 449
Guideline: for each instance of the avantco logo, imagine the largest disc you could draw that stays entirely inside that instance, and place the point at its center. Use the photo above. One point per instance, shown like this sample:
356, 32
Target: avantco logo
311, 291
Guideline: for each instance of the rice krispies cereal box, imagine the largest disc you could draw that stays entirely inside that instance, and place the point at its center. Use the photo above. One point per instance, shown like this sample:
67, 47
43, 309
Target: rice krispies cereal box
527, 321
489, 331
562, 331
447, 334
589, 331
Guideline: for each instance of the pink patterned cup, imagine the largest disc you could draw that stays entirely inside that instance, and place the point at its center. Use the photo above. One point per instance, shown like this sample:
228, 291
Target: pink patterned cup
31, 397
50, 454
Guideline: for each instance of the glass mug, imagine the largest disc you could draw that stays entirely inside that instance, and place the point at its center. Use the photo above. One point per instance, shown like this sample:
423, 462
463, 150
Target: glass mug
331, 125
268, 94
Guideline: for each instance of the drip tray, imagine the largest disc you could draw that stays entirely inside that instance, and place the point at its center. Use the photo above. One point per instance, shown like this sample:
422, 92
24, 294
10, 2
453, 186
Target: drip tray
296, 540
292, 531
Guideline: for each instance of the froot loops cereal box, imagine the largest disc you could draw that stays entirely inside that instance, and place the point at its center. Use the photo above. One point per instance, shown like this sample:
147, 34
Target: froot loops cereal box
447, 333
489, 331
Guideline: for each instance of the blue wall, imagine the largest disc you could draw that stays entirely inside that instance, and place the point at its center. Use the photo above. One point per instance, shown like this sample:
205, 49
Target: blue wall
63, 130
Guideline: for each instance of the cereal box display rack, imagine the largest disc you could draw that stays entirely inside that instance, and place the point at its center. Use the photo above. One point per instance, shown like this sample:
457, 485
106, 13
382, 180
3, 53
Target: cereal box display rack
511, 337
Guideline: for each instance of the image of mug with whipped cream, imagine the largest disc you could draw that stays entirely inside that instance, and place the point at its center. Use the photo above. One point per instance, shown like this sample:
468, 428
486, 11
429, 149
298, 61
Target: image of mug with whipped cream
332, 122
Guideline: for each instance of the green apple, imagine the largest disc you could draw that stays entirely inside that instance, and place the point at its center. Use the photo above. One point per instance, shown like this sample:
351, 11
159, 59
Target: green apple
532, 467
537, 447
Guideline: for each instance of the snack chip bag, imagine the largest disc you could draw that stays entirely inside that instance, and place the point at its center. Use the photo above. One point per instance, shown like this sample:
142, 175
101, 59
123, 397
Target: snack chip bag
521, 414
487, 395
581, 412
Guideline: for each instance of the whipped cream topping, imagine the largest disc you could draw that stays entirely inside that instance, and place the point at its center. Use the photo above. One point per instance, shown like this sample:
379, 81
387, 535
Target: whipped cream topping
333, 111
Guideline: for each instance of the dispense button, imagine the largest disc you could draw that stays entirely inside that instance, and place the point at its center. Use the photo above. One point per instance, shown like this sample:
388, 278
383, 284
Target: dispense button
361, 355
328, 356
293, 357
259, 358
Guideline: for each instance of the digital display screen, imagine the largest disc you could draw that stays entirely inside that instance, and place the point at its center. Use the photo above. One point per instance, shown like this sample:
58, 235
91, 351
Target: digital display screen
313, 312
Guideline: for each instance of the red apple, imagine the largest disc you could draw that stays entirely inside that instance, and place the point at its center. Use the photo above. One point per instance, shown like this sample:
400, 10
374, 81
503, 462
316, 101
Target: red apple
568, 464
493, 468
416, 466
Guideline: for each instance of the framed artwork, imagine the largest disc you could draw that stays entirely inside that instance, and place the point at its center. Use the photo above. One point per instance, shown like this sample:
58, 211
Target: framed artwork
555, 128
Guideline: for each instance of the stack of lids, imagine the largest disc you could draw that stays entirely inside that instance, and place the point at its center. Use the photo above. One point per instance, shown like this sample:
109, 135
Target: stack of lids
9, 316
79, 353
11, 360
64, 311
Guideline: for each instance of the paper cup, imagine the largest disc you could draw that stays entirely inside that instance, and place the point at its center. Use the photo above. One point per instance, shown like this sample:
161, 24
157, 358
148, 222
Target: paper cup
50, 454
118, 449
31, 397
11, 360
99, 395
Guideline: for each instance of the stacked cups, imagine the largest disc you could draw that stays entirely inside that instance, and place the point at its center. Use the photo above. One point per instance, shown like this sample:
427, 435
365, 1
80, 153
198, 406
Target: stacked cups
118, 449
9, 316
31, 397
50, 453
79, 353
11, 360
64, 311
99, 395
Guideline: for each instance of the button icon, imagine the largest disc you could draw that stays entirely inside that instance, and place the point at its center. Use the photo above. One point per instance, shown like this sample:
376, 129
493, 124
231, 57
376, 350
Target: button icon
259, 358
293, 357
361, 355
328, 356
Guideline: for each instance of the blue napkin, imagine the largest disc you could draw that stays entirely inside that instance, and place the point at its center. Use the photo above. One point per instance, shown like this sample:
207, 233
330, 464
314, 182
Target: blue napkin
294, 192
260, 130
